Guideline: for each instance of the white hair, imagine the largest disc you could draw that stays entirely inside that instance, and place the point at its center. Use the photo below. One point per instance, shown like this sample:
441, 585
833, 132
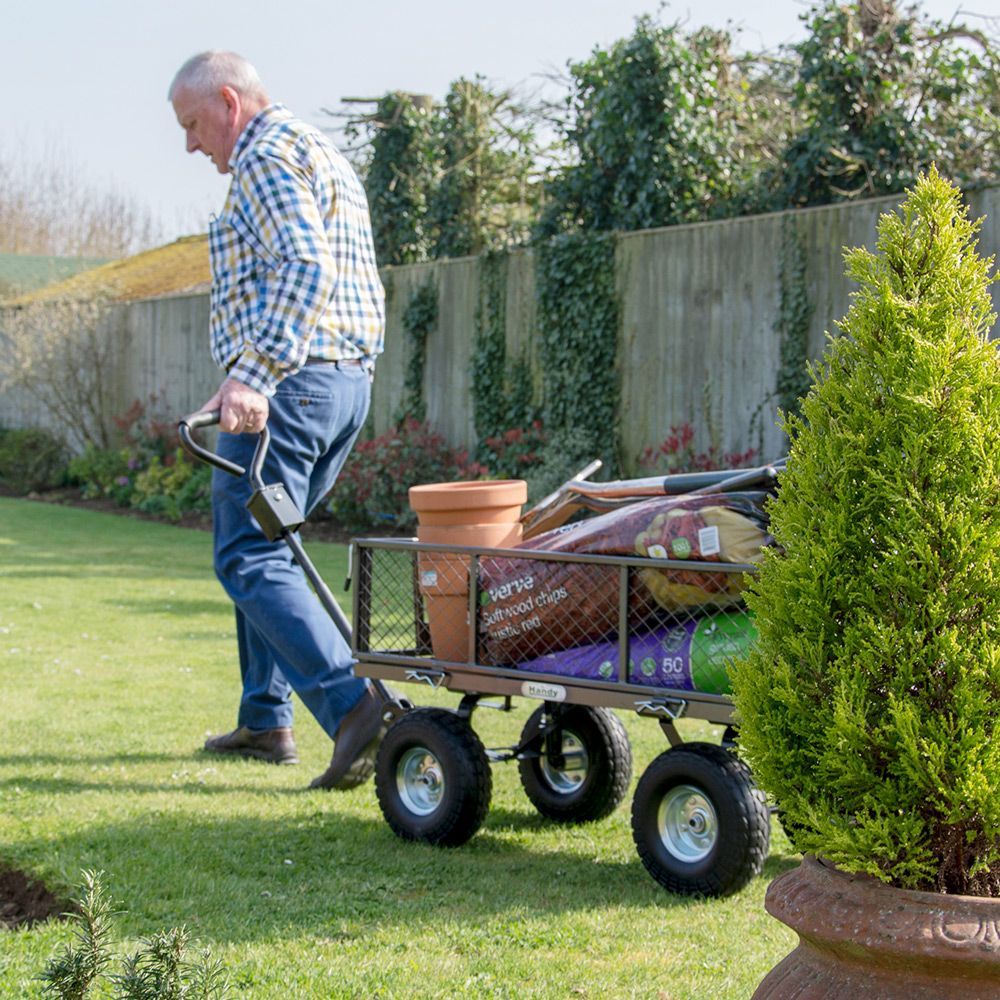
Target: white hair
209, 72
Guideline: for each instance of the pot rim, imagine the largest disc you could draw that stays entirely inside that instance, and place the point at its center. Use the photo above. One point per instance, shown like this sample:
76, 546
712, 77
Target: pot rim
923, 895
469, 495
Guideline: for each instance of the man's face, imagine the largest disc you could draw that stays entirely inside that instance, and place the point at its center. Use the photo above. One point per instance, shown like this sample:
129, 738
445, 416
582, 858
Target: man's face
209, 123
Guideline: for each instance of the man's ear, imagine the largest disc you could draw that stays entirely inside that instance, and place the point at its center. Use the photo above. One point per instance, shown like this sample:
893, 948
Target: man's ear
234, 105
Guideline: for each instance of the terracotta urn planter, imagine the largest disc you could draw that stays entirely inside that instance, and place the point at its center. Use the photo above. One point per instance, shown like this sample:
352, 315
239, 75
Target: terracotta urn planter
861, 938
480, 514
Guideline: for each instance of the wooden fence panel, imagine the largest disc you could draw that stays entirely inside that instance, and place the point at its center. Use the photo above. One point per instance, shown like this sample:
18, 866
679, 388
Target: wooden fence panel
697, 342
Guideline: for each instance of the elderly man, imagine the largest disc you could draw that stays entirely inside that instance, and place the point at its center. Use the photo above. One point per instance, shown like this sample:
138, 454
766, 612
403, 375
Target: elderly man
297, 320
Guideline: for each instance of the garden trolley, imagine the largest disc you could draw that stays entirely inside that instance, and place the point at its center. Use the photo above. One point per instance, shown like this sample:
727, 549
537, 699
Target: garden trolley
582, 634
556, 628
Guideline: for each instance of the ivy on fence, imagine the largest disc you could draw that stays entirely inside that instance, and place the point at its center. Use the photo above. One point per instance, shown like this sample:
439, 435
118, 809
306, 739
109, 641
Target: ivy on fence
794, 315
419, 318
502, 389
578, 323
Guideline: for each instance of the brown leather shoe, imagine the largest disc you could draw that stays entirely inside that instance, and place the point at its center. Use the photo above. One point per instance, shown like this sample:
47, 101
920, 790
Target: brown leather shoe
355, 745
276, 746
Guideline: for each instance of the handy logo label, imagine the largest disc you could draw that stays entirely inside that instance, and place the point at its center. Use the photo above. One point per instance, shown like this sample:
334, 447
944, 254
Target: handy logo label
545, 692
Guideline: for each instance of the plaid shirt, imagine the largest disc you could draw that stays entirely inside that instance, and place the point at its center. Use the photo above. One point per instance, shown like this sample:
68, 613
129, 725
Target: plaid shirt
293, 262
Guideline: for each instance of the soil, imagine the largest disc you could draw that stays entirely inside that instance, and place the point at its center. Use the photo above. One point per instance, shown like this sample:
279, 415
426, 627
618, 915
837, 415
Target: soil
25, 901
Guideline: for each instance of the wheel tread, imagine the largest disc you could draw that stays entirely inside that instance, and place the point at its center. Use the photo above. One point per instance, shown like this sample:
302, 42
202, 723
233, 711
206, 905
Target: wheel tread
460, 816
752, 819
602, 796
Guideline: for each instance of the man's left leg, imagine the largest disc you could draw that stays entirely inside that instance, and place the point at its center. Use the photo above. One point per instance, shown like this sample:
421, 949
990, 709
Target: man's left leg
315, 417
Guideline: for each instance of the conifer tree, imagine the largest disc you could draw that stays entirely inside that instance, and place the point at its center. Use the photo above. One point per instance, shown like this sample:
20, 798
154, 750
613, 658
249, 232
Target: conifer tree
869, 708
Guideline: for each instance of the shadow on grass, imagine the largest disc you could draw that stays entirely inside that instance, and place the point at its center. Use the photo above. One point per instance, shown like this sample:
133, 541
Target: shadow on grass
186, 778
512, 819
189, 784
242, 880
141, 566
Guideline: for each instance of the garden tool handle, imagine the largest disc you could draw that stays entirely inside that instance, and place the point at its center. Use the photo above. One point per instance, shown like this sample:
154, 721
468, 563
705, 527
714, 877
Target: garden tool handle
765, 475
208, 418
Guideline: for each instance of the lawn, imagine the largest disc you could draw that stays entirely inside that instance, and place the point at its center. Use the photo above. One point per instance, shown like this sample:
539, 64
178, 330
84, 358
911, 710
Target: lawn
117, 657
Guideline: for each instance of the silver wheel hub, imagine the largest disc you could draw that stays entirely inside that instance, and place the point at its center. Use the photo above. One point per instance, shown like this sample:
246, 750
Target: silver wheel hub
420, 781
573, 772
687, 823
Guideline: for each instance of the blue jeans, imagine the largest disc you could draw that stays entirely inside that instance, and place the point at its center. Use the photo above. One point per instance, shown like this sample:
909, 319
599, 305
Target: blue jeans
287, 642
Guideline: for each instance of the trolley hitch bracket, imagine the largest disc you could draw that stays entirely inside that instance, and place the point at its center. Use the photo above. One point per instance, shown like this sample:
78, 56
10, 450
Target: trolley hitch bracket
672, 708
432, 678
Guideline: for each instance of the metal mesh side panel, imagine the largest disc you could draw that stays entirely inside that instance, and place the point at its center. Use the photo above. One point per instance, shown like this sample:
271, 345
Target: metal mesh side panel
391, 614
682, 624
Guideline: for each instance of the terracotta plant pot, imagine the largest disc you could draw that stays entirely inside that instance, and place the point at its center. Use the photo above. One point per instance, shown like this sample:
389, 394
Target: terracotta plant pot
454, 503
478, 514
861, 938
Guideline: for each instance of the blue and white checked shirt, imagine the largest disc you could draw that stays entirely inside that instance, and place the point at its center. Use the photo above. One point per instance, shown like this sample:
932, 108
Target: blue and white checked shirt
293, 261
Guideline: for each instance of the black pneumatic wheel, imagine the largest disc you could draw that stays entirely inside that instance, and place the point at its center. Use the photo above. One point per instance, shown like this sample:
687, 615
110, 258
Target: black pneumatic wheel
582, 769
432, 778
700, 824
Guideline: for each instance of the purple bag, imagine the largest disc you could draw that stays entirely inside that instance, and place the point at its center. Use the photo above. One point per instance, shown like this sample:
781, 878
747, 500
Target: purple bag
689, 656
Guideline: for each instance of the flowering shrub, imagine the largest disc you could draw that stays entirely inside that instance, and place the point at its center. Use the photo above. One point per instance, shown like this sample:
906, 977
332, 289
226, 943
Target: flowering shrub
102, 472
372, 488
112, 472
676, 454
511, 454
148, 472
166, 487
145, 436
169, 489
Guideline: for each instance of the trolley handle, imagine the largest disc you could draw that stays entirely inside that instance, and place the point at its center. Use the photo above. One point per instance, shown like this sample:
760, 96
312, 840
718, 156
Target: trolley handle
208, 418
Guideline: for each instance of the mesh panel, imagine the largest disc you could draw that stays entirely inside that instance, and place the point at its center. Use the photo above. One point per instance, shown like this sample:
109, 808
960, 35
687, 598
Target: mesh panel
533, 612
390, 616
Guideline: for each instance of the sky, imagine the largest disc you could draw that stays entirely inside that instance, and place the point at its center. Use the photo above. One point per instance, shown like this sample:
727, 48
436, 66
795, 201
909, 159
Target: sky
86, 80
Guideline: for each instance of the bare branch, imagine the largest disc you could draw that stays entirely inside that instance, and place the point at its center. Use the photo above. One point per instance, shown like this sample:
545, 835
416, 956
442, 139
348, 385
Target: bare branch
60, 353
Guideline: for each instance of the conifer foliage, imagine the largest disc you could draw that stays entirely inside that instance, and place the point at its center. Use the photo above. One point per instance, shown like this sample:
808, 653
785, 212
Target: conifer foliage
869, 708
